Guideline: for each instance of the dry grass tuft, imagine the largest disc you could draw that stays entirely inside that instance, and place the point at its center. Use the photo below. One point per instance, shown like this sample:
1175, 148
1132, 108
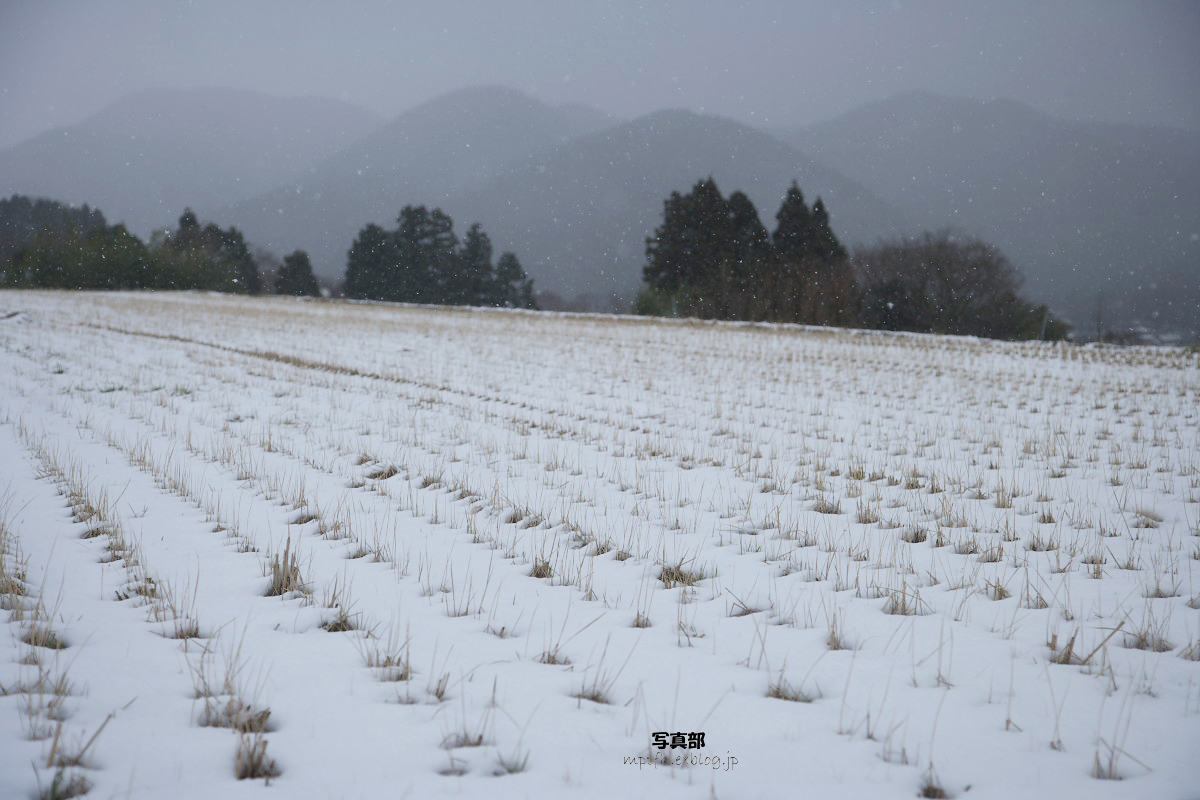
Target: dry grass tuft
389, 657
382, 473
931, 787
67, 783
1151, 636
236, 714
39, 635
825, 505
905, 602
1065, 654
454, 741
836, 640
678, 575
1041, 544
335, 597
553, 657
285, 573
513, 763
996, 591
185, 628
341, 622
780, 689
251, 760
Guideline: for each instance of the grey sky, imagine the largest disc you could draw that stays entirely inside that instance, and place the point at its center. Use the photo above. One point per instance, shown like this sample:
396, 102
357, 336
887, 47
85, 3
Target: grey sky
766, 61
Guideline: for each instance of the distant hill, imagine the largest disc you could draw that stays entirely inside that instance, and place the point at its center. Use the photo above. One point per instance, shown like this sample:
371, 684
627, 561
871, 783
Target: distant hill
573, 192
144, 158
1080, 207
580, 214
424, 156
1097, 216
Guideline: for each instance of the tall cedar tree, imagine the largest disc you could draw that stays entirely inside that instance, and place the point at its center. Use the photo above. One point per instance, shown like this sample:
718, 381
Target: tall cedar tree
750, 285
833, 291
513, 289
296, 277
471, 283
815, 282
367, 264
792, 241
425, 246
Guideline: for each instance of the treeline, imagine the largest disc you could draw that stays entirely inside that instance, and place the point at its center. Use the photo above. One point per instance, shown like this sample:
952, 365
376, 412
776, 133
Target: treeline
713, 258
46, 244
49, 245
422, 261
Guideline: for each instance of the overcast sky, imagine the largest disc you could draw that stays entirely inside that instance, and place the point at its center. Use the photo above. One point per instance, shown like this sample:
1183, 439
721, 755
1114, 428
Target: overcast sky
773, 62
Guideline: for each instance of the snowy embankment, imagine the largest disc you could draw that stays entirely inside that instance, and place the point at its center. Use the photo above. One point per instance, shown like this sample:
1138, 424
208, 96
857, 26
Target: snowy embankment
375, 551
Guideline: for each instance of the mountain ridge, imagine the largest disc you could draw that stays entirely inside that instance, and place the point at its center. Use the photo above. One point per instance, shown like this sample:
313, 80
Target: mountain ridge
581, 214
1081, 207
1084, 209
147, 156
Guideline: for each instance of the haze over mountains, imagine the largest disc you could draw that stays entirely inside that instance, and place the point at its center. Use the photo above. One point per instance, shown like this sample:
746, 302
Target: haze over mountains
145, 158
447, 147
573, 192
1077, 206
1080, 207
582, 211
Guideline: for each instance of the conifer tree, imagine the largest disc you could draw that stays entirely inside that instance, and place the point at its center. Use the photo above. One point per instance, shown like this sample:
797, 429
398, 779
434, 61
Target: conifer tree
713, 264
189, 225
751, 256
514, 289
368, 264
474, 282
793, 244
833, 280
825, 244
296, 276
409, 278
231, 248
669, 252
526, 297
794, 231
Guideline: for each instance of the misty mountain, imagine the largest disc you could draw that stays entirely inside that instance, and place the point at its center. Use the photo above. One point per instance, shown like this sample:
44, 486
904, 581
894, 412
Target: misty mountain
423, 157
579, 215
144, 158
1080, 207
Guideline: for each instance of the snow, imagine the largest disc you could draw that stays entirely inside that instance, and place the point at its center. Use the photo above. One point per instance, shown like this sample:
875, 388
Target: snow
449, 460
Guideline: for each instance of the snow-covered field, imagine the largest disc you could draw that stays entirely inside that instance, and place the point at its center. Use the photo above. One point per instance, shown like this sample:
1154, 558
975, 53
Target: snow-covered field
403, 552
